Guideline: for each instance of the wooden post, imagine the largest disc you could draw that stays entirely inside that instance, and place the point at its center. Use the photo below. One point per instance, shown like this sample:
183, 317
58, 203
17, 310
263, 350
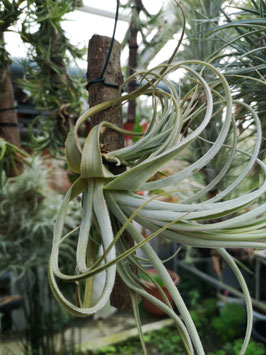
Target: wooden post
97, 53
110, 140
132, 63
8, 116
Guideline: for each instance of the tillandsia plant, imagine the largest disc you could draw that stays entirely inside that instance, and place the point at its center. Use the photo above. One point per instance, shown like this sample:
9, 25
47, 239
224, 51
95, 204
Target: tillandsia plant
110, 204
243, 33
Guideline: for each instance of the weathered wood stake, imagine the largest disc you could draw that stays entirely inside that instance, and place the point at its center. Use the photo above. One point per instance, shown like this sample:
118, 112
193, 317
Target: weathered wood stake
9, 133
110, 140
133, 61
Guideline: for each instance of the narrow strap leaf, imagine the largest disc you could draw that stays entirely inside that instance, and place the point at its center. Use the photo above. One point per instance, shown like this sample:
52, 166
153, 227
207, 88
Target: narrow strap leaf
73, 155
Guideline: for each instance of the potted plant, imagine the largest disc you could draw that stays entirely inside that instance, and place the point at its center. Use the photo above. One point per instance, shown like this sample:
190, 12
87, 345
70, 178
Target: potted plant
153, 289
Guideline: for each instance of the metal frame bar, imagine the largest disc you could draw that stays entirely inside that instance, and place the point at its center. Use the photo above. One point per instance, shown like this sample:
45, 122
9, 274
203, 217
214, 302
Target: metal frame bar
101, 12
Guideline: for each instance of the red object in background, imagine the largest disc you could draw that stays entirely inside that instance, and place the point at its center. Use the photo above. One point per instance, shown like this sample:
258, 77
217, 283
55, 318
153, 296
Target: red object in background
152, 290
144, 126
129, 126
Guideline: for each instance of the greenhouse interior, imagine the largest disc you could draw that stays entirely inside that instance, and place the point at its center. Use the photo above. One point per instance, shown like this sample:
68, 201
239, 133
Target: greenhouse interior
132, 177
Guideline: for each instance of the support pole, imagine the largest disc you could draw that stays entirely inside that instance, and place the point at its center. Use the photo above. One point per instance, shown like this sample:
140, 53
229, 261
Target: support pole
8, 115
97, 53
132, 62
109, 139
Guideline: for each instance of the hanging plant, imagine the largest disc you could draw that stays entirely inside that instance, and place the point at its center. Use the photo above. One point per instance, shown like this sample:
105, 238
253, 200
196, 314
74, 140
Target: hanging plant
110, 204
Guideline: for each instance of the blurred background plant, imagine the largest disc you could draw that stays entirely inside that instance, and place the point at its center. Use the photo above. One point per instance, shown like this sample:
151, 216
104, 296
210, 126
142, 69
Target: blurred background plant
28, 209
242, 58
28, 204
55, 93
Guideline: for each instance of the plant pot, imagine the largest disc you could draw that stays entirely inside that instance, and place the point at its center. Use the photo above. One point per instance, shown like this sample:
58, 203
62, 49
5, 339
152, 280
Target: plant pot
152, 290
259, 330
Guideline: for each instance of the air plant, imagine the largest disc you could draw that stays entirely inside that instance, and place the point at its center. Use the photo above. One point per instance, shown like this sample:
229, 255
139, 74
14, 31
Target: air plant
243, 55
110, 203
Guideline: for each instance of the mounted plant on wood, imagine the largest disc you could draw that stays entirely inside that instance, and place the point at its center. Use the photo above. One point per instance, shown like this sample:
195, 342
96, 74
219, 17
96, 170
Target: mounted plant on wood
110, 202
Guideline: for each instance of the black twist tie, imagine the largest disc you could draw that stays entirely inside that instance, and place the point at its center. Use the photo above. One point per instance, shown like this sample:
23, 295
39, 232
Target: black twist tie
8, 124
8, 108
101, 79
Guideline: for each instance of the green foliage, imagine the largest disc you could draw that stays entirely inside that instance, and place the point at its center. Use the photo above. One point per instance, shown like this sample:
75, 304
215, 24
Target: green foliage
145, 23
10, 10
152, 277
10, 158
243, 34
165, 341
26, 220
129, 348
202, 313
230, 323
55, 92
137, 128
254, 348
219, 352
194, 290
28, 209
198, 15
107, 350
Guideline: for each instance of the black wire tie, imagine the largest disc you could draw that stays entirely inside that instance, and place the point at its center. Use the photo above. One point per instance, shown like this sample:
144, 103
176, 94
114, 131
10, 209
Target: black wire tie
8, 109
8, 124
101, 78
